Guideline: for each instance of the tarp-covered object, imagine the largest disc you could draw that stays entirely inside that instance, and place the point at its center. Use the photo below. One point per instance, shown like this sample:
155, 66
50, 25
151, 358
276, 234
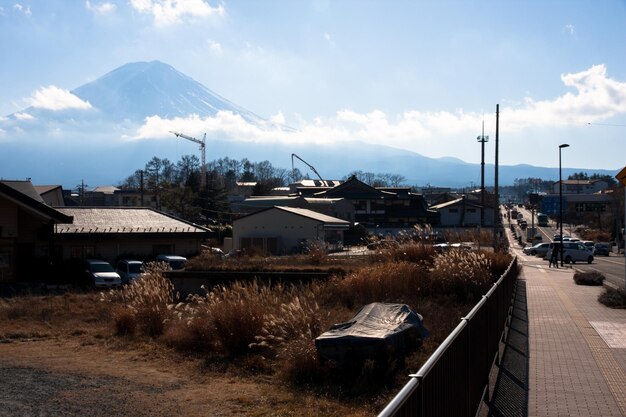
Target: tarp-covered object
378, 330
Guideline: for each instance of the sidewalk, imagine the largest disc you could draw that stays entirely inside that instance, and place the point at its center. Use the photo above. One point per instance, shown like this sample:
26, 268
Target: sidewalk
576, 347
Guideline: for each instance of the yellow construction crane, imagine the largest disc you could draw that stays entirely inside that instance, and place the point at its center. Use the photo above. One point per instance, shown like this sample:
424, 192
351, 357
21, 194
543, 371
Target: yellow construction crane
202, 144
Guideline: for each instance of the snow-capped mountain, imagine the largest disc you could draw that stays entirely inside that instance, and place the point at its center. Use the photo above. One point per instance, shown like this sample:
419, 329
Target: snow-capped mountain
141, 89
91, 139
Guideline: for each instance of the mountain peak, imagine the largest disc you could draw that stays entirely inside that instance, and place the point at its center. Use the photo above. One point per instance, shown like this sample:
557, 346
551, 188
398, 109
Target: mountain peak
138, 90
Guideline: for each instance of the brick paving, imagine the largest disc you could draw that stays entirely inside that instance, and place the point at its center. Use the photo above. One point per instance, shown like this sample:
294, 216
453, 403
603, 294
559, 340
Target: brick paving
573, 371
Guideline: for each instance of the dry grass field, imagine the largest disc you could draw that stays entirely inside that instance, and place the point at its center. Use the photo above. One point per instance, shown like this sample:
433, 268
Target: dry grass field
242, 349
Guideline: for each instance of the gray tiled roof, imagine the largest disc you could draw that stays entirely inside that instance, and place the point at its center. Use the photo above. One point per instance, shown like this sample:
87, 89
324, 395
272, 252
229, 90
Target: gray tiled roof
123, 220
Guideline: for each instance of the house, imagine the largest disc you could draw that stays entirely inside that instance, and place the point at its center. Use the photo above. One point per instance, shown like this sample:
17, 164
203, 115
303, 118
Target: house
384, 209
580, 186
52, 195
463, 212
113, 232
26, 231
284, 230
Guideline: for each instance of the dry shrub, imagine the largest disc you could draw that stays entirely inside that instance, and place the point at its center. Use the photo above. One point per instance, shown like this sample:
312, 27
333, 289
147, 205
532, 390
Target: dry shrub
300, 364
125, 321
206, 261
148, 298
613, 298
413, 252
499, 262
229, 317
462, 273
316, 252
29, 307
299, 318
388, 282
588, 278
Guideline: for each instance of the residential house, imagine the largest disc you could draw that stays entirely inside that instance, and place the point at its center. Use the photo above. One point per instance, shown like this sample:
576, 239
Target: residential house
463, 212
285, 230
113, 232
580, 186
26, 231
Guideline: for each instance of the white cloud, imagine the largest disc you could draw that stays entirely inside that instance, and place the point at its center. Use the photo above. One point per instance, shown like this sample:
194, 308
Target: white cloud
214, 46
54, 98
327, 36
23, 116
278, 118
169, 12
596, 97
100, 8
570, 30
22, 9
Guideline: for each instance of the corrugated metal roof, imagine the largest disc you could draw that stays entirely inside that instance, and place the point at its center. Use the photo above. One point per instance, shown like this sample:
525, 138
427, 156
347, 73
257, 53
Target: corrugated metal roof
313, 215
123, 220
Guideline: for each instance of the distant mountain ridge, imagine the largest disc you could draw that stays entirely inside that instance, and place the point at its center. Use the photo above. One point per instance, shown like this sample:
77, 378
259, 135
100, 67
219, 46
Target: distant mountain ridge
72, 145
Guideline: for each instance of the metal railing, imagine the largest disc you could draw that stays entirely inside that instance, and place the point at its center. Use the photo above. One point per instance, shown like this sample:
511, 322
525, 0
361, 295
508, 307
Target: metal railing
454, 380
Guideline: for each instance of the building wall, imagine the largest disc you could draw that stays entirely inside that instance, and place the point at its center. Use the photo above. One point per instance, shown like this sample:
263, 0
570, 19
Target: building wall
289, 229
114, 249
54, 198
451, 216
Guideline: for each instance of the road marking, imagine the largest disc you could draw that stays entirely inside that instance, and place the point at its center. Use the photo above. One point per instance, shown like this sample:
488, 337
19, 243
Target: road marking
606, 260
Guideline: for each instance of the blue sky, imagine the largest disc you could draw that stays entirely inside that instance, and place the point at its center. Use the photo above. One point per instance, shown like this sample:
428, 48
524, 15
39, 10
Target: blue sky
419, 75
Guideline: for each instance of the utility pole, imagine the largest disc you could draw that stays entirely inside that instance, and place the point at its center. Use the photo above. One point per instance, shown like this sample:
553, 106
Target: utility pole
141, 187
482, 139
496, 197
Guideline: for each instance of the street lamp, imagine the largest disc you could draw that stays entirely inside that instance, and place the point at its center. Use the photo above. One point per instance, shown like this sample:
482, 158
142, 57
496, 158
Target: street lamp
565, 145
482, 139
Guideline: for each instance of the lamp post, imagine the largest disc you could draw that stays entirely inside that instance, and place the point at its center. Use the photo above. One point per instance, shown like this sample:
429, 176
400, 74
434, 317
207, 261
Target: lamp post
565, 145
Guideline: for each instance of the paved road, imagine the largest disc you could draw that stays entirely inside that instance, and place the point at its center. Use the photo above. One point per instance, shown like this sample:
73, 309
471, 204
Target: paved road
612, 267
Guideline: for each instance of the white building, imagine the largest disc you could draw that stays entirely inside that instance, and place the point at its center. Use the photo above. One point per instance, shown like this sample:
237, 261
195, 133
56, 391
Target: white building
284, 230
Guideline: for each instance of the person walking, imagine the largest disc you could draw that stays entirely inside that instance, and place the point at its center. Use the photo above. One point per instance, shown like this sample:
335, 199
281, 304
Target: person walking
554, 257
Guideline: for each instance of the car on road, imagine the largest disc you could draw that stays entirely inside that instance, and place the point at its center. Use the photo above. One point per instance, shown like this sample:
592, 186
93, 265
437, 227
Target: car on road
602, 248
540, 249
589, 245
573, 252
129, 270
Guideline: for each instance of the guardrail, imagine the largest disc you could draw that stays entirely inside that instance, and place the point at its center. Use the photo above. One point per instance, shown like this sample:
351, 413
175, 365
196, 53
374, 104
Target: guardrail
455, 379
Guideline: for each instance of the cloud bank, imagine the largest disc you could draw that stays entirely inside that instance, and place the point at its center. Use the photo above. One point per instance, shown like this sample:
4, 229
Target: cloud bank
54, 98
170, 12
595, 97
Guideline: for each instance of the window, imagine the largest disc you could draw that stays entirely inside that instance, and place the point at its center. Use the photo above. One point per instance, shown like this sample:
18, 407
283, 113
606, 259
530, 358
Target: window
453, 210
471, 210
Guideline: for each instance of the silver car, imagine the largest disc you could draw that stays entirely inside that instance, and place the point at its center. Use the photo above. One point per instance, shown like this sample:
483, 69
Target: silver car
540, 249
573, 252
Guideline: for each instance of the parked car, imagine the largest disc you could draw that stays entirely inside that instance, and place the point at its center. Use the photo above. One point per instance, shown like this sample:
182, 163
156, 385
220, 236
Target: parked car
589, 245
539, 249
573, 252
174, 261
523, 224
91, 273
602, 248
129, 270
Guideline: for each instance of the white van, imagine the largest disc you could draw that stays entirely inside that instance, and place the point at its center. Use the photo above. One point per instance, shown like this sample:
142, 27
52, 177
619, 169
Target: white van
573, 252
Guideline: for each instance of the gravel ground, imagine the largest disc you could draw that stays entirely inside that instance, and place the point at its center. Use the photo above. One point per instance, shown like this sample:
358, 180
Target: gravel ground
34, 392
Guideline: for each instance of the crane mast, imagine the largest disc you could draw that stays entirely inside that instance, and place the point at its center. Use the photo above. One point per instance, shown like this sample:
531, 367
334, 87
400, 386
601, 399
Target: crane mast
202, 144
293, 155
